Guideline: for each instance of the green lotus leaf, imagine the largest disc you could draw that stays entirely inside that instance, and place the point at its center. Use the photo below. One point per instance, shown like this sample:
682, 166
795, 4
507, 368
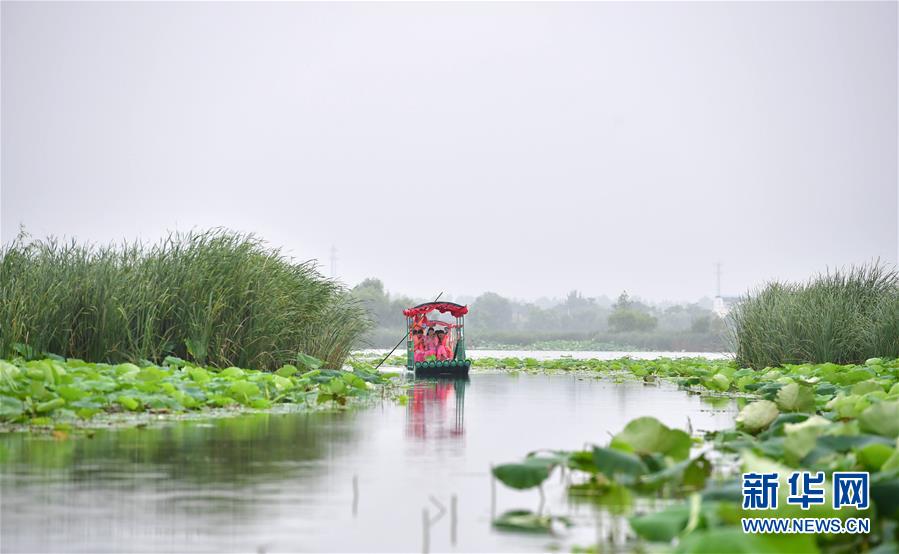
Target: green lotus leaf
796, 398
129, 403
243, 390
614, 462
309, 362
232, 373
662, 526
522, 476
287, 371
756, 416
881, 418
10, 407
529, 522
873, 456
647, 435
734, 541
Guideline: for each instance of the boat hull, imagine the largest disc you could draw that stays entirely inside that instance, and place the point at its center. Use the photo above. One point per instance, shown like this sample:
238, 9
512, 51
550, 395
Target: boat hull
452, 367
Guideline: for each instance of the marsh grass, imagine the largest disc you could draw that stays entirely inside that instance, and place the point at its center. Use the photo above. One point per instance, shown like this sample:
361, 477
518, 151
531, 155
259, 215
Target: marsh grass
216, 297
842, 316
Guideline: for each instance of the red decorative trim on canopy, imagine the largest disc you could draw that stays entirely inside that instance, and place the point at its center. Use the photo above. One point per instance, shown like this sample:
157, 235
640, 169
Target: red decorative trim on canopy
443, 307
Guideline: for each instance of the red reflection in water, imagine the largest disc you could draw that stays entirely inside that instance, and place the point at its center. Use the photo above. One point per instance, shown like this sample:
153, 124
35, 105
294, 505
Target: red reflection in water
436, 409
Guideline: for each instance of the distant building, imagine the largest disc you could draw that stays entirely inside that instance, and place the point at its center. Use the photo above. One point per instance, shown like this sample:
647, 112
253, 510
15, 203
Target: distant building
722, 305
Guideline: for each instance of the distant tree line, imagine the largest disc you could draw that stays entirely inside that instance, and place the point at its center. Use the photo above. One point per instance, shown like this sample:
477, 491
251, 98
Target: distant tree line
577, 322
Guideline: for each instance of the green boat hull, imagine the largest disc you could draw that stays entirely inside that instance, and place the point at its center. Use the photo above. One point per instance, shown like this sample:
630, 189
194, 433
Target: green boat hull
449, 367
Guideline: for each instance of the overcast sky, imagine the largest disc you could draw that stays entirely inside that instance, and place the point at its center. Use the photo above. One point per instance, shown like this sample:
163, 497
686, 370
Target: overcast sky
527, 149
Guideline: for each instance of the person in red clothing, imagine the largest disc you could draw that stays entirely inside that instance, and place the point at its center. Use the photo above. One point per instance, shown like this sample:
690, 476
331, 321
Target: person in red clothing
443, 350
430, 343
418, 345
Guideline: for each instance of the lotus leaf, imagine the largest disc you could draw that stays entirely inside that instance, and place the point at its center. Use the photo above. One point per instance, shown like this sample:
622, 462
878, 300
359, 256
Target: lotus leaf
529, 522
796, 398
614, 462
881, 418
735, 541
646, 435
757, 415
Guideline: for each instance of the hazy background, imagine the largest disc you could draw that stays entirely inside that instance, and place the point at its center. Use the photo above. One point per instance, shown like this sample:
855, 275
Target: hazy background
527, 149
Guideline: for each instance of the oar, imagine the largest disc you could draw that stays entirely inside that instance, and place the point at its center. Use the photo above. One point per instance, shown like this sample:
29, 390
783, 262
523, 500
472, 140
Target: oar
402, 339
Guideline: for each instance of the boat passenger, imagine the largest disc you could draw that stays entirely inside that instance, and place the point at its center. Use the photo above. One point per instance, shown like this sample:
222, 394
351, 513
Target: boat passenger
443, 350
418, 345
430, 342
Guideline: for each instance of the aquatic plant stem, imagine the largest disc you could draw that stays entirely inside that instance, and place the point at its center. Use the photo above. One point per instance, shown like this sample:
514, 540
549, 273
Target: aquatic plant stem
355, 495
492, 495
454, 501
425, 531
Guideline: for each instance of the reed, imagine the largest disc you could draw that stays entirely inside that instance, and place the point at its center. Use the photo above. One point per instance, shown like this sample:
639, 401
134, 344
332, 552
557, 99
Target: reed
215, 297
842, 316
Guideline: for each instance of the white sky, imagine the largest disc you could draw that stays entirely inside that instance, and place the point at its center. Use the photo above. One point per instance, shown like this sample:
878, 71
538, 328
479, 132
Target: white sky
527, 149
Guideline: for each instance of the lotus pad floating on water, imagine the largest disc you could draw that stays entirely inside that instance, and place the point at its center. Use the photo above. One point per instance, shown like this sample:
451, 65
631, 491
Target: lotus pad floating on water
41, 391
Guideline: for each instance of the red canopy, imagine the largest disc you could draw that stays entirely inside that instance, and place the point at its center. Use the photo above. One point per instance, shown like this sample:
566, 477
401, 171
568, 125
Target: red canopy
452, 308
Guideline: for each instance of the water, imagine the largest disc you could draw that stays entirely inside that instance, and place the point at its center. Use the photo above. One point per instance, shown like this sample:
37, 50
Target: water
592, 354
284, 482
577, 354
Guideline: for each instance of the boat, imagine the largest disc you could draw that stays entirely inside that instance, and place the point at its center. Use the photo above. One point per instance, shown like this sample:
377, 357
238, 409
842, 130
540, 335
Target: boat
417, 318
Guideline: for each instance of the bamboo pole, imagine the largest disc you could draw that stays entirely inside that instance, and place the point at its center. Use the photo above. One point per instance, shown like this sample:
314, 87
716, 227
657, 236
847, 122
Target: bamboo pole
402, 339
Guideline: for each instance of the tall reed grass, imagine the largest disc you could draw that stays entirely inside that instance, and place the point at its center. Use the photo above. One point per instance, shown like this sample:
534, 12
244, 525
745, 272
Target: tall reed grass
216, 297
842, 316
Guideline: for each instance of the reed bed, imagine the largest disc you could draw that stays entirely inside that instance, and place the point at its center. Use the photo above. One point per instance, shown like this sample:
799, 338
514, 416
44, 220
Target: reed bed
842, 316
215, 297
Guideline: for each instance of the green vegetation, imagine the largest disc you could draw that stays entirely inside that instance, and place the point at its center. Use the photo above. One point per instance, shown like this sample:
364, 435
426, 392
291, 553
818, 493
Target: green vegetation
53, 390
626, 317
631, 341
581, 322
816, 417
215, 298
841, 316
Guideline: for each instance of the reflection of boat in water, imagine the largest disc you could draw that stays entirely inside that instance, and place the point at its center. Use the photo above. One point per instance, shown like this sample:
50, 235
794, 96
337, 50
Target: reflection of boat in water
436, 408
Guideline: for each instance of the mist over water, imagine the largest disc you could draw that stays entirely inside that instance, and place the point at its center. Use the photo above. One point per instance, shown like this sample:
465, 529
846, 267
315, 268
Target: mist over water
525, 149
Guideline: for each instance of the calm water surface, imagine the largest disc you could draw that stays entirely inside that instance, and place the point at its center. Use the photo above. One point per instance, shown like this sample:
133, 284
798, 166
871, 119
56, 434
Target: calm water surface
284, 482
